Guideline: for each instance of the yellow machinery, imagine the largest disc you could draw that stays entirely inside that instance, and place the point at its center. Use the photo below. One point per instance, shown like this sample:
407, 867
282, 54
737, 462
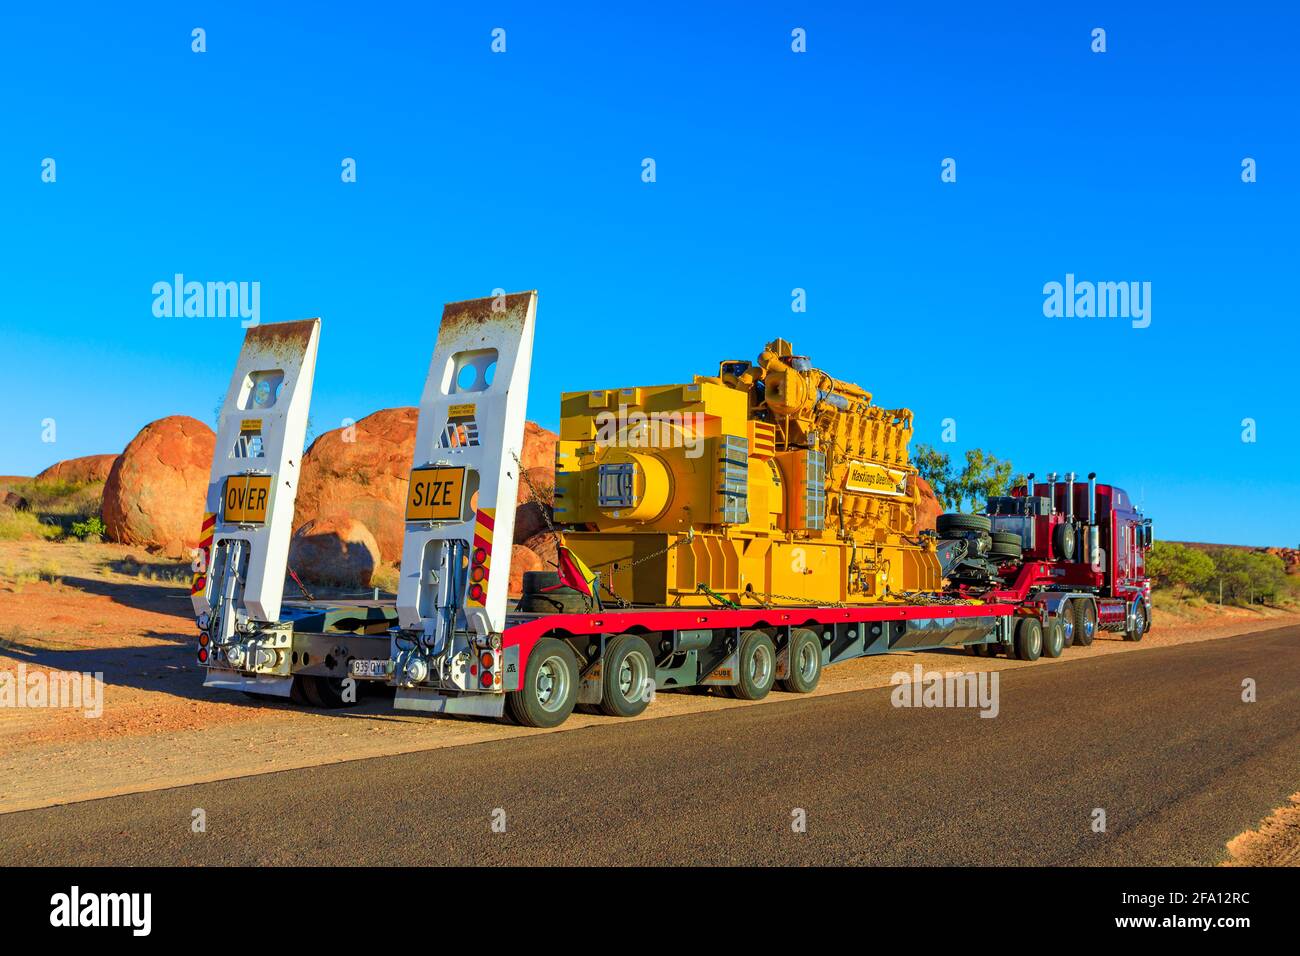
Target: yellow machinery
769, 483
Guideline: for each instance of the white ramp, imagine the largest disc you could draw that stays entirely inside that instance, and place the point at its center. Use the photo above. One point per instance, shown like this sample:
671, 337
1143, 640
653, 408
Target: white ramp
239, 576
460, 510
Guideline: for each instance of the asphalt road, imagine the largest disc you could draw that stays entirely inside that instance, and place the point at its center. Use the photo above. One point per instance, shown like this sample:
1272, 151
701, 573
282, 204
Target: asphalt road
1160, 740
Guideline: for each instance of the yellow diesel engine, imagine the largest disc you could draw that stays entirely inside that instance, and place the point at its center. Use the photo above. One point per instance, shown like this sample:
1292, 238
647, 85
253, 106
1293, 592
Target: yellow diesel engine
769, 483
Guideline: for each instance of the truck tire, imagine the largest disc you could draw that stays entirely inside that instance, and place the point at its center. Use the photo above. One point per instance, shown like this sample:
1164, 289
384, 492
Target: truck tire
805, 662
1084, 613
1139, 624
1029, 639
757, 666
550, 686
949, 524
1063, 542
1053, 637
627, 665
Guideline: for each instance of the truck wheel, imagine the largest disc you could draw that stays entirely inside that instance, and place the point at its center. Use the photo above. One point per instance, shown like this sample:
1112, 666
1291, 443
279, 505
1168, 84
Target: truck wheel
805, 662
1139, 625
1053, 637
1029, 639
757, 666
1084, 615
550, 686
627, 667
1067, 623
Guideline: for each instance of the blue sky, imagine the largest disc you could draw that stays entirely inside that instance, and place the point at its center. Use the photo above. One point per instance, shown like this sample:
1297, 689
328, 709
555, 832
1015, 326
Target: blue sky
775, 170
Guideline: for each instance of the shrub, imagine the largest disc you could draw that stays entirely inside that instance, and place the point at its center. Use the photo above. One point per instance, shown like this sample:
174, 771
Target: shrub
92, 526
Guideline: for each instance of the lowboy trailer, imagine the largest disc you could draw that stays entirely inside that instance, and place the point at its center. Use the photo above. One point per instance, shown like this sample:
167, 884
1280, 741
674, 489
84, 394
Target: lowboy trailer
764, 531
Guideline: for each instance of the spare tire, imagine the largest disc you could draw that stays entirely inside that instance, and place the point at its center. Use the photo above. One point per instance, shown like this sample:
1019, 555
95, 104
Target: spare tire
543, 595
950, 525
1063, 542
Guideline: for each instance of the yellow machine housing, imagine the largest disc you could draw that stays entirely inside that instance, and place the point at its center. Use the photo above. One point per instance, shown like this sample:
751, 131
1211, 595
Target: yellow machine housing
769, 483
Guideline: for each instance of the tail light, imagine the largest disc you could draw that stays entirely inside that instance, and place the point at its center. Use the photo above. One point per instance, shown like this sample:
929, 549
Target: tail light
485, 679
478, 574
203, 655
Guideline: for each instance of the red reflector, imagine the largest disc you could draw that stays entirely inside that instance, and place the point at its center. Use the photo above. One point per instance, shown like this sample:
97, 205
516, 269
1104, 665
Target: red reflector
479, 555
203, 655
473, 669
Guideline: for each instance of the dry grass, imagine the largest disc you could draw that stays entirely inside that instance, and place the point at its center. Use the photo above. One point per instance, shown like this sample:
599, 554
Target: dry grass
25, 526
385, 577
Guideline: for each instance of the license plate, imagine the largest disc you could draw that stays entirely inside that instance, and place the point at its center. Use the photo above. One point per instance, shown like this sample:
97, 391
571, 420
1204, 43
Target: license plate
436, 494
245, 499
370, 668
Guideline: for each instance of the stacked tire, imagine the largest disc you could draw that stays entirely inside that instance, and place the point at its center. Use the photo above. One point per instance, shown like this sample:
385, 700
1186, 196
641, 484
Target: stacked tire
1006, 547
955, 525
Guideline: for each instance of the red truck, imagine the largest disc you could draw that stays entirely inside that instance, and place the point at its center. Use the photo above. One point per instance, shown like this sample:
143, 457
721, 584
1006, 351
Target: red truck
1075, 549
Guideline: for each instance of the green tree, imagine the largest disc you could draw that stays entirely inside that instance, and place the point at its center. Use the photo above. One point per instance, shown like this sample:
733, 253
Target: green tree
985, 476
1175, 565
936, 468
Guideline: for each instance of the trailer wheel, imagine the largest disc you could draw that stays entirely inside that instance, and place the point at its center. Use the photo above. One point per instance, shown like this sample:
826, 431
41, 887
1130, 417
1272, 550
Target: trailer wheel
1085, 621
757, 666
627, 667
325, 692
298, 692
1139, 625
550, 686
1053, 637
1029, 639
805, 662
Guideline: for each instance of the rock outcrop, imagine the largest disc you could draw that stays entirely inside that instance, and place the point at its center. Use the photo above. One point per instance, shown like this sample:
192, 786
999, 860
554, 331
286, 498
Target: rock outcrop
84, 470
336, 550
155, 491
